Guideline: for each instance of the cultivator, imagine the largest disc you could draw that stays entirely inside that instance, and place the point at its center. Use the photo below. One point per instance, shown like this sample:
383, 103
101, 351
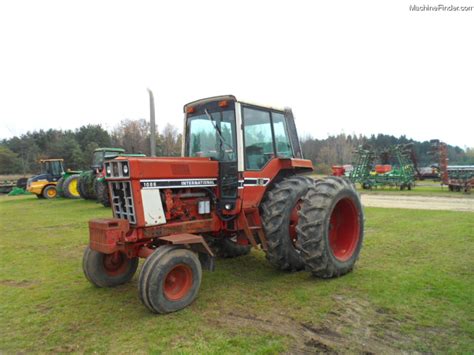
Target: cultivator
402, 175
362, 165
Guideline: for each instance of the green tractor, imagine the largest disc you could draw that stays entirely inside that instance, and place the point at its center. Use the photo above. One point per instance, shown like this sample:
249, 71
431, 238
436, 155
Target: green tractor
87, 179
92, 184
100, 185
68, 184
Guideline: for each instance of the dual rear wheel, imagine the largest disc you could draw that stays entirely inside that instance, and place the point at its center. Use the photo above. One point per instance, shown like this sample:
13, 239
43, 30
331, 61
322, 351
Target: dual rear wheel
313, 225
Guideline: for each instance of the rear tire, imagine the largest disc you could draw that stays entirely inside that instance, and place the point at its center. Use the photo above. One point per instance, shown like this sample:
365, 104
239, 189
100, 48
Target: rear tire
331, 228
70, 187
59, 187
108, 270
80, 187
279, 216
49, 192
170, 279
86, 185
102, 193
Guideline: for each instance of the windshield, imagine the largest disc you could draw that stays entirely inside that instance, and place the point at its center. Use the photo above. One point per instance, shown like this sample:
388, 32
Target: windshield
98, 159
212, 135
52, 167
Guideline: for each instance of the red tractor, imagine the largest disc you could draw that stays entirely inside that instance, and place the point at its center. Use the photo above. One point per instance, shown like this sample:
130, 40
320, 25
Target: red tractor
239, 184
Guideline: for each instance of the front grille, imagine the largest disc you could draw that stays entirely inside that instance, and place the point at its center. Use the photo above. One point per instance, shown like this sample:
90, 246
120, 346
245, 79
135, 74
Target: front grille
117, 169
122, 200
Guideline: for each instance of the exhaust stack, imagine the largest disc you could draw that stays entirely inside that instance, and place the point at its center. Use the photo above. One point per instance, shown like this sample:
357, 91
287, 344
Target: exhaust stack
152, 125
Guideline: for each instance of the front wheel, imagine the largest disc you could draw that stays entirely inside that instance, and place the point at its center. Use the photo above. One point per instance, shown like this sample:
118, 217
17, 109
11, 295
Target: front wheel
331, 227
108, 270
170, 279
49, 192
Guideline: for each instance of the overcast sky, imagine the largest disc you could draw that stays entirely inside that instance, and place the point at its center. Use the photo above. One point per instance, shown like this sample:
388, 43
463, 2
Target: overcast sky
343, 66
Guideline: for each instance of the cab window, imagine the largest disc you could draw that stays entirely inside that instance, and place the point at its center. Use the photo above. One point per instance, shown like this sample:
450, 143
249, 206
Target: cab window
212, 136
282, 142
258, 138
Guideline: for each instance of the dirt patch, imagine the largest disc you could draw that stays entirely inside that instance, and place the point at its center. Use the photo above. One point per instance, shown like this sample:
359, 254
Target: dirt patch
18, 283
353, 326
418, 202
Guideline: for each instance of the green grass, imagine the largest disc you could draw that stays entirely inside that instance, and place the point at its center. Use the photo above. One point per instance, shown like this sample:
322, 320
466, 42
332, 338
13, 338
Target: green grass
422, 189
411, 290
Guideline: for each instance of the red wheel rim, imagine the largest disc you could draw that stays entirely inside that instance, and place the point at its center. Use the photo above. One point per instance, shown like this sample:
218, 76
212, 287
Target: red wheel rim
294, 222
344, 229
178, 282
115, 264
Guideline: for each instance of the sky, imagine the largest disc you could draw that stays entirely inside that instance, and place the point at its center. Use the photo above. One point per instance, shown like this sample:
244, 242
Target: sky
362, 67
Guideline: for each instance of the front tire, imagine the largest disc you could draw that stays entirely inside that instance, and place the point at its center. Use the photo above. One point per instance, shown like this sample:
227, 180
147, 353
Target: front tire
170, 279
49, 192
331, 227
108, 270
280, 217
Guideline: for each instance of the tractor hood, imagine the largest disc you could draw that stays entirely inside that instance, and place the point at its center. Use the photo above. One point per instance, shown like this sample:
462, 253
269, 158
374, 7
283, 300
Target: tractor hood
40, 177
161, 168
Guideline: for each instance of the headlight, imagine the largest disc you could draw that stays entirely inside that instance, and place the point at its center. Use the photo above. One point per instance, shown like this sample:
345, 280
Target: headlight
108, 170
125, 169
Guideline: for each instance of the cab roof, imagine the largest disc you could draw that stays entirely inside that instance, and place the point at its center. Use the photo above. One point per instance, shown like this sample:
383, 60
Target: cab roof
46, 160
119, 150
230, 98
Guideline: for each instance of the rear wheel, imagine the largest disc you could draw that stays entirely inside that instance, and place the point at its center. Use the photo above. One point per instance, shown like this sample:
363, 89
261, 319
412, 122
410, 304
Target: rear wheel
331, 228
86, 185
170, 279
70, 187
108, 270
49, 192
280, 217
80, 187
102, 193
59, 187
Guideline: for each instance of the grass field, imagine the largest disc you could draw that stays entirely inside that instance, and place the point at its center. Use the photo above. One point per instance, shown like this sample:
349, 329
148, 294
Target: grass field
412, 290
422, 189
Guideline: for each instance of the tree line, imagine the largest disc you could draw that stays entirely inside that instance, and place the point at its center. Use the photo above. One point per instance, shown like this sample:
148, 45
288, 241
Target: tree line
21, 155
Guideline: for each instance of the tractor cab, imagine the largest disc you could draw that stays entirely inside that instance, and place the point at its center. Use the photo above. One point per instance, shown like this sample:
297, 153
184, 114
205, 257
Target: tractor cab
250, 135
53, 168
102, 154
